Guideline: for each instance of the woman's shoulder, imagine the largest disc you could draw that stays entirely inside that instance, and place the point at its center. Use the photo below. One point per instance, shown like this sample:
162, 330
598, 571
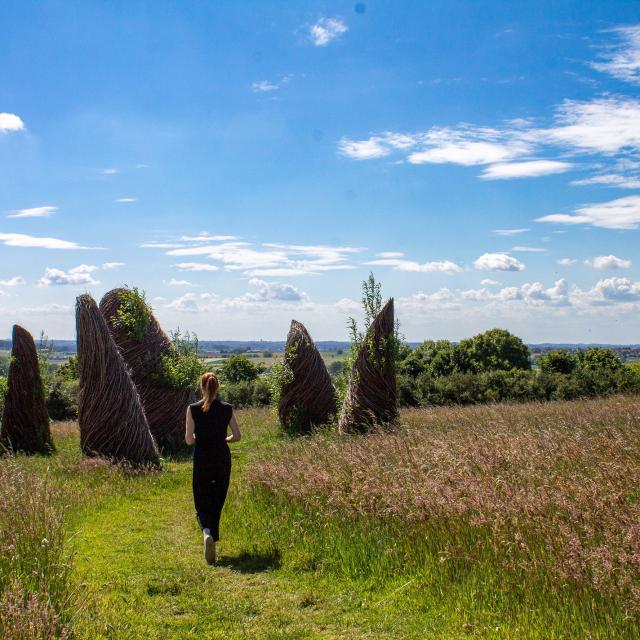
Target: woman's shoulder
224, 405
196, 405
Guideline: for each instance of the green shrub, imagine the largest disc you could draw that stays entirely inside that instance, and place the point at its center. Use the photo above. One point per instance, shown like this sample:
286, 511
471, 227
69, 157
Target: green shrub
240, 369
408, 391
134, 314
246, 393
559, 361
598, 359
3, 393
62, 398
182, 366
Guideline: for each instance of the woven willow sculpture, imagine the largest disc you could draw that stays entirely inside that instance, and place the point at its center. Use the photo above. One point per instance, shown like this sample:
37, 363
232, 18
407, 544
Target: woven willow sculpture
164, 407
307, 397
370, 400
25, 421
110, 414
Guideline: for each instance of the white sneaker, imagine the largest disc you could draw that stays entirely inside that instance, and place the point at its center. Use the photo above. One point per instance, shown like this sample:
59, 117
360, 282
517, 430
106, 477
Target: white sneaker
209, 547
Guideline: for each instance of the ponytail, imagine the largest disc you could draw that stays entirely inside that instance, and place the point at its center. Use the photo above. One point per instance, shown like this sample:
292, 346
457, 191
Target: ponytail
209, 385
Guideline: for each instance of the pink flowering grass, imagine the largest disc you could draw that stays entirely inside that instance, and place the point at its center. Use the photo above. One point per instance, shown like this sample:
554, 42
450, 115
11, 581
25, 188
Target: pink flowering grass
550, 491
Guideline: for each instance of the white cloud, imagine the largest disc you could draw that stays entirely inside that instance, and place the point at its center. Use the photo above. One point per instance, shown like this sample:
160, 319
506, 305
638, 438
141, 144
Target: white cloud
468, 146
529, 295
275, 291
509, 232
326, 30
80, 275
608, 262
13, 282
398, 264
272, 259
566, 262
46, 309
204, 237
161, 245
347, 305
623, 60
193, 303
606, 125
622, 213
488, 282
180, 283
196, 266
264, 294
525, 249
265, 86
610, 179
34, 212
498, 262
109, 171
23, 240
363, 149
609, 291
111, 265
126, 200
390, 254
10, 122
528, 169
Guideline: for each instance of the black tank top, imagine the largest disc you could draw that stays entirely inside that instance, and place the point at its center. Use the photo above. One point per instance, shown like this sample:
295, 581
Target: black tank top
211, 426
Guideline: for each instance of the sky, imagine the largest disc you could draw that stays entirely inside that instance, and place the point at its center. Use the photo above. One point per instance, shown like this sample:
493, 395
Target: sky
246, 163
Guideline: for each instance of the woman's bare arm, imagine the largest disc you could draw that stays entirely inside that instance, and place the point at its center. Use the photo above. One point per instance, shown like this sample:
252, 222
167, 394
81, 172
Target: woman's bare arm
235, 430
189, 435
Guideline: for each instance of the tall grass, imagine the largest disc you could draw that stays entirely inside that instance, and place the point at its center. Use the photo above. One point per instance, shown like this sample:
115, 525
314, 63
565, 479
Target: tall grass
539, 500
34, 573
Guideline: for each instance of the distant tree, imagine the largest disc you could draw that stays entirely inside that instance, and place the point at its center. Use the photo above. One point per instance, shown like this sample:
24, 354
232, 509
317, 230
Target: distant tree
4, 365
599, 359
495, 350
336, 367
69, 369
559, 361
435, 358
239, 368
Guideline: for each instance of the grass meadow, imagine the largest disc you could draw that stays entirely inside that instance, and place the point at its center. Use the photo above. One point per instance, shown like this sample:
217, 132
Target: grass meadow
499, 521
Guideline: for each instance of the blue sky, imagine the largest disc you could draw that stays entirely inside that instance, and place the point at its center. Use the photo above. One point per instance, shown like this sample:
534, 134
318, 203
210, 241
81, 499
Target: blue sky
246, 163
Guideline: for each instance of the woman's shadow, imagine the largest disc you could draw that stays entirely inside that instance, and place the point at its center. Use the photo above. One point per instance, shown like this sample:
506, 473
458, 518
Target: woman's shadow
252, 561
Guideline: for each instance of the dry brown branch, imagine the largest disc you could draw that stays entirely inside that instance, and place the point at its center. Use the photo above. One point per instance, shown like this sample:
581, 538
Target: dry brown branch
111, 418
307, 399
164, 407
370, 400
25, 421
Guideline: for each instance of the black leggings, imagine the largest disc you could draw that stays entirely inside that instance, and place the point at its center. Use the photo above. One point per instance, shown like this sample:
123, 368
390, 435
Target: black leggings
211, 476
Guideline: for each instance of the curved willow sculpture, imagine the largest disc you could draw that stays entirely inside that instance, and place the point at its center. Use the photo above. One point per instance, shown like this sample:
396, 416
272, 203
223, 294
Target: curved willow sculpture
307, 398
25, 421
110, 414
164, 406
370, 400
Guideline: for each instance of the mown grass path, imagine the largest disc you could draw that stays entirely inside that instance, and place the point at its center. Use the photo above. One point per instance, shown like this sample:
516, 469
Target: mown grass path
138, 559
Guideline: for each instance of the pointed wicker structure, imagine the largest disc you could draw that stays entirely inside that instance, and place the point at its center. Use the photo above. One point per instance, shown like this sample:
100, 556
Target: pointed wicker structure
110, 414
308, 398
370, 400
25, 421
164, 407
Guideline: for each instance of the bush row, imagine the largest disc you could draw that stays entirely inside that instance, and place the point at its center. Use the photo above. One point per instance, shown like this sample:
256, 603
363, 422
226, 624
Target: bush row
516, 385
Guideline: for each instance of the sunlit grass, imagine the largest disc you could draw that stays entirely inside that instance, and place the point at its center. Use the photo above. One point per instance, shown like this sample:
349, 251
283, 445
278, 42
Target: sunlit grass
324, 538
